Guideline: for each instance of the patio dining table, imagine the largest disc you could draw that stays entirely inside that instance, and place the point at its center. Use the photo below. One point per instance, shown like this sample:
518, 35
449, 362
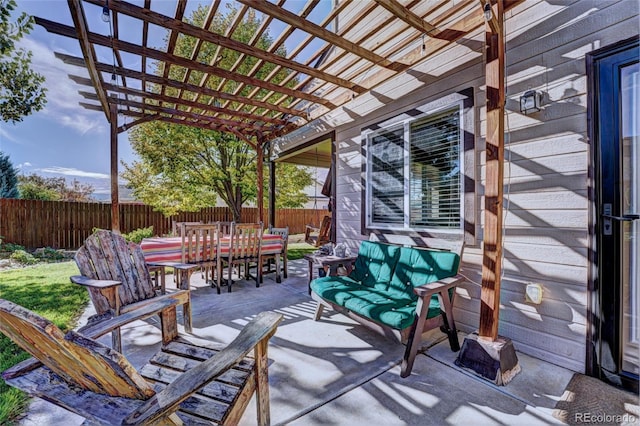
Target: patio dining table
169, 249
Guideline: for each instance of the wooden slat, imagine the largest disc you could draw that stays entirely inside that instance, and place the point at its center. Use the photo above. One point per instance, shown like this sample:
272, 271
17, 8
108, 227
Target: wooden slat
151, 78
100, 40
409, 17
308, 26
89, 364
88, 51
177, 26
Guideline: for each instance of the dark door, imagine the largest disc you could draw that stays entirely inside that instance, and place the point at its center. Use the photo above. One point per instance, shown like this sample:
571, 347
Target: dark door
617, 141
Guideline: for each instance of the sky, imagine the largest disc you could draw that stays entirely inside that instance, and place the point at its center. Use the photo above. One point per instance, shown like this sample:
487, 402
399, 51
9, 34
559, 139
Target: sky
65, 139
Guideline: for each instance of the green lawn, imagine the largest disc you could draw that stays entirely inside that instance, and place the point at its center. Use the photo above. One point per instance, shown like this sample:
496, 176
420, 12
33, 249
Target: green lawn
297, 250
45, 289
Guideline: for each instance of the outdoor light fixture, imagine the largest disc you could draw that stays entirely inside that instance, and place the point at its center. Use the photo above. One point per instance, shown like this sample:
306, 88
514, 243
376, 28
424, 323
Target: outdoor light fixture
530, 102
487, 11
105, 12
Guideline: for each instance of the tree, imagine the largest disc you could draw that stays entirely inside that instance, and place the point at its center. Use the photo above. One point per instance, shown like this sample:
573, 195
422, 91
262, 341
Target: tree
184, 168
8, 178
34, 187
21, 89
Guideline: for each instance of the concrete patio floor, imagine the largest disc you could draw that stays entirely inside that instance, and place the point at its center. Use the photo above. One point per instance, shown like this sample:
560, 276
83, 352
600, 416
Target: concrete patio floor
336, 372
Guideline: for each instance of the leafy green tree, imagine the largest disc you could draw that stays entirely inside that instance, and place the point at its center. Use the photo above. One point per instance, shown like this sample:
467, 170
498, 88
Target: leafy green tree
34, 187
8, 178
184, 168
21, 89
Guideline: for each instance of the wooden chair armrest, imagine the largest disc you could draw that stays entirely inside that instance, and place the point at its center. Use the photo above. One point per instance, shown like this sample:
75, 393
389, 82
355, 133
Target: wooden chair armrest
428, 290
175, 265
101, 328
89, 282
259, 329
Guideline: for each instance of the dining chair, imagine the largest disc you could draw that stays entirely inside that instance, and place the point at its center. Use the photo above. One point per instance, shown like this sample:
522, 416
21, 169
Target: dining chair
200, 245
284, 233
177, 226
242, 247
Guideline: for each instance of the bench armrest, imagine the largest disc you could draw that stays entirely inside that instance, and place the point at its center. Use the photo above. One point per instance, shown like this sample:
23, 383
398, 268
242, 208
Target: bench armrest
253, 335
428, 290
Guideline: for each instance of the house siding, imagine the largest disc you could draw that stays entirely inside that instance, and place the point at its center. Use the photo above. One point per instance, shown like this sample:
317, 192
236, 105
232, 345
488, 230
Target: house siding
547, 165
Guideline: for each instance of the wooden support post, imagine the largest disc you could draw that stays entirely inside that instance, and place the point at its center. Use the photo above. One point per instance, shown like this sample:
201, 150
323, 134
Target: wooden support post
491, 356
259, 168
115, 203
272, 193
493, 189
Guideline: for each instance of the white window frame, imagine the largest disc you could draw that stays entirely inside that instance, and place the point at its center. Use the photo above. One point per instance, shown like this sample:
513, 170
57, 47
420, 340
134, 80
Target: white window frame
405, 122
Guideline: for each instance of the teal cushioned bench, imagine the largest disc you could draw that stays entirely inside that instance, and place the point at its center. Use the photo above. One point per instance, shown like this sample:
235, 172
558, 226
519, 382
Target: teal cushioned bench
402, 289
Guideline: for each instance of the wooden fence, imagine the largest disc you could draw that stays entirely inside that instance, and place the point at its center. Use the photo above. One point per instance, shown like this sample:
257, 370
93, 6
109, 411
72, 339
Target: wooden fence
65, 225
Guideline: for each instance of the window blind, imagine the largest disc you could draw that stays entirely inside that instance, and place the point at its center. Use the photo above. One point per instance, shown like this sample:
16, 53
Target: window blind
387, 176
435, 171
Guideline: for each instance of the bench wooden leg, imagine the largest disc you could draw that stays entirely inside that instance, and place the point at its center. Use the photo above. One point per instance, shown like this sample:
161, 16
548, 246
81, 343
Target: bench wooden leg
449, 326
415, 337
319, 310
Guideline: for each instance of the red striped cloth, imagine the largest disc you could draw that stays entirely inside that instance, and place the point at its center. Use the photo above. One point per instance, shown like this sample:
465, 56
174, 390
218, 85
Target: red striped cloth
169, 249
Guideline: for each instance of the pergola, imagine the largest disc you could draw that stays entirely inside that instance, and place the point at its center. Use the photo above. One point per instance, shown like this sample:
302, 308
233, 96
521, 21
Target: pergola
326, 68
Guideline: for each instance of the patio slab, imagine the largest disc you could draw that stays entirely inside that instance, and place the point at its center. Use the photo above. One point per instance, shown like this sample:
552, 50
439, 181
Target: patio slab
335, 372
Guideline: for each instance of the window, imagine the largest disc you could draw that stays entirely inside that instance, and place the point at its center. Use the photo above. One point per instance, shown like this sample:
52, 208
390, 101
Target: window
414, 173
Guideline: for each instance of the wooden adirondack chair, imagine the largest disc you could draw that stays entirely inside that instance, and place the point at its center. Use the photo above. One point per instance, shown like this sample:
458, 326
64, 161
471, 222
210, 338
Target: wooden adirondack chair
318, 236
179, 384
118, 279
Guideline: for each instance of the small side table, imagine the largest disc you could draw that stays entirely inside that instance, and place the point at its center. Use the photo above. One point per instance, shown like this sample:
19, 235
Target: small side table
330, 262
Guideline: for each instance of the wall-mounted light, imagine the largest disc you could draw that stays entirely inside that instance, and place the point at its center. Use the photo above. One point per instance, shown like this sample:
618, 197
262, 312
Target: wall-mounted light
530, 101
488, 14
105, 12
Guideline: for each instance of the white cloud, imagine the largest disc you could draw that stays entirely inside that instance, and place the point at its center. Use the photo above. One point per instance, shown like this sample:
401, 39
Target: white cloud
7, 136
73, 172
62, 92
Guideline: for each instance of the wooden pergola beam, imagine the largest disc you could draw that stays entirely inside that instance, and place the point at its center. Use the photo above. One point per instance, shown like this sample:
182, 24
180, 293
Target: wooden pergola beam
409, 17
184, 122
98, 39
88, 52
115, 196
493, 192
190, 104
178, 26
151, 78
320, 32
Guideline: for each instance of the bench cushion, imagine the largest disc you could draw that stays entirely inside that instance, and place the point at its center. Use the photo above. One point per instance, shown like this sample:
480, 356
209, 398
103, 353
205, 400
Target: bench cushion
381, 285
374, 264
416, 267
370, 302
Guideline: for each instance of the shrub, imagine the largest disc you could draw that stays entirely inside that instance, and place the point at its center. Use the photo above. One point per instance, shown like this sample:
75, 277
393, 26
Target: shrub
137, 235
10, 247
23, 257
49, 254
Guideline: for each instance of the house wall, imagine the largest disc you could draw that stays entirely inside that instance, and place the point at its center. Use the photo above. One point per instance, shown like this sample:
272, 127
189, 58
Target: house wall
548, 158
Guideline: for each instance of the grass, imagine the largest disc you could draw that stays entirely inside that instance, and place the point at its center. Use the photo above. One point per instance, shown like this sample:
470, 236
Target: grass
297, 250
46, 290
